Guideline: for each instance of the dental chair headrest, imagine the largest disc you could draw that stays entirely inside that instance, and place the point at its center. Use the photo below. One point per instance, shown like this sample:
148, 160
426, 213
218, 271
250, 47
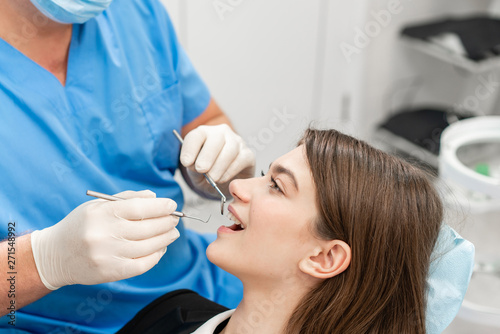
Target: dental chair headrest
449, 275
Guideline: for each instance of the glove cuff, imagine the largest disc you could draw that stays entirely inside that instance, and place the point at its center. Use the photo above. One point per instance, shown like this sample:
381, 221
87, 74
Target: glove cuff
36, 247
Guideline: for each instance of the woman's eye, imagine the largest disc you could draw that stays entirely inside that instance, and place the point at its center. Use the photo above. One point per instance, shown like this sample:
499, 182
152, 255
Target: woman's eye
273, 185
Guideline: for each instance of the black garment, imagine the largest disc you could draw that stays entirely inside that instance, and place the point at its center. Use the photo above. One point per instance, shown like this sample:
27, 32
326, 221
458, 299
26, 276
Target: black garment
177, 312
422, 127
479, 35
221, 326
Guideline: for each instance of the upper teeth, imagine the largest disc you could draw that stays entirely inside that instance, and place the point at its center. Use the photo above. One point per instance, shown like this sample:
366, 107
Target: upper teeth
233, 218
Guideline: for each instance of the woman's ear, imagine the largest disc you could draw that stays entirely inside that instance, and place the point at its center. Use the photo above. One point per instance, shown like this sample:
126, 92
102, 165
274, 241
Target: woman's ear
327, 260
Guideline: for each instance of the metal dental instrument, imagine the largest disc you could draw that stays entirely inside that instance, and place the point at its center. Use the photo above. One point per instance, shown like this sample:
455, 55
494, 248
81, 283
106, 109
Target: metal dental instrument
209, 179
115, 198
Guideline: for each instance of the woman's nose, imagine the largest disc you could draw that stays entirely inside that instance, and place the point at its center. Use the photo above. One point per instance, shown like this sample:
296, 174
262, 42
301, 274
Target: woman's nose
240, 189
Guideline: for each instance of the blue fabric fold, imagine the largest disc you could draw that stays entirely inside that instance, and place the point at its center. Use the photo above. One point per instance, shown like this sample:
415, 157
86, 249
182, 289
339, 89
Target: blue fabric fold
449, 276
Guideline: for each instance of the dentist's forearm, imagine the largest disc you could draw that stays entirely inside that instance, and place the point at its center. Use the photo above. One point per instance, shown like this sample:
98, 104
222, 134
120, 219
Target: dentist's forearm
20, 283
213, 115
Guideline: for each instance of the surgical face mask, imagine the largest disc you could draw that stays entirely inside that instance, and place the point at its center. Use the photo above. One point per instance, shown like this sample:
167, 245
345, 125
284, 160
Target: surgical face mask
71, 11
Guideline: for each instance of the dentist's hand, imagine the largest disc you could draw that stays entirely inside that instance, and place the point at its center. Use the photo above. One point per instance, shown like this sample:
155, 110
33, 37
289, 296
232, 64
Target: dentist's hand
104, 241
218, 151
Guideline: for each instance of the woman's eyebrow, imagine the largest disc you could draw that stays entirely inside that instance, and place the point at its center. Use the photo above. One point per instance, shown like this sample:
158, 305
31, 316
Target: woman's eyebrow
280, 169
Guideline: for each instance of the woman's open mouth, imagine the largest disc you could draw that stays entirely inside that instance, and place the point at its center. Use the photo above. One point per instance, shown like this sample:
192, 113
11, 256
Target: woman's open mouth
237, 226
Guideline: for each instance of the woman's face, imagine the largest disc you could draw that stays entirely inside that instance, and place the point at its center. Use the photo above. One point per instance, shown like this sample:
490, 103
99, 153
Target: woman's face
276, 212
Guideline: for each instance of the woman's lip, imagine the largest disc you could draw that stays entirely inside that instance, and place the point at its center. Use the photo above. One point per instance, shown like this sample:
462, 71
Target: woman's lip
231, 209
225, 229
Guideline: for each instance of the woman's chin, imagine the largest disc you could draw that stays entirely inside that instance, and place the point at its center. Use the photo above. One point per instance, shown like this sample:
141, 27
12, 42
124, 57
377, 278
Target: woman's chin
217, 255
223, 257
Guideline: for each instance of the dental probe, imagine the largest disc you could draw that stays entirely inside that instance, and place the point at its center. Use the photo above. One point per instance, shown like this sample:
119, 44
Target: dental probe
209, 179
115, 198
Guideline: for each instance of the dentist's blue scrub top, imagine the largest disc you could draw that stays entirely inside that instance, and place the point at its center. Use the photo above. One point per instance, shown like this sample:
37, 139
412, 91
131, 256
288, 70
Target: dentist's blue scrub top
109, 129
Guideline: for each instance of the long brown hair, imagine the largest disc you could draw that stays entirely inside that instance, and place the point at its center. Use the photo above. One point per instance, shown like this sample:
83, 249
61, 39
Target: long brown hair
388, 212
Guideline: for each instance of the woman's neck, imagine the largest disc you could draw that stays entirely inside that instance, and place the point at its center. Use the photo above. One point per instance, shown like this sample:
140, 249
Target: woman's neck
265, 309
42, 40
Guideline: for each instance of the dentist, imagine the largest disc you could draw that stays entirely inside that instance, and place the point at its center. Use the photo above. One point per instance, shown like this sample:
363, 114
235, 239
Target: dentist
90, 91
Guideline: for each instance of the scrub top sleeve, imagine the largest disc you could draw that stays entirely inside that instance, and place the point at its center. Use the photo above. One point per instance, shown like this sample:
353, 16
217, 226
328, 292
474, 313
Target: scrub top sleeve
194, 92
195, 95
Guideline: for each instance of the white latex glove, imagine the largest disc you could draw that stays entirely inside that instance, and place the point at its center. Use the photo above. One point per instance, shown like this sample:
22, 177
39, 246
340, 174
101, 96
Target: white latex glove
218, 151
104, 241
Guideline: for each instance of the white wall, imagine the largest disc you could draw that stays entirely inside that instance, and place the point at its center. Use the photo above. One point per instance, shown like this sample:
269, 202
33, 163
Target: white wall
265, 58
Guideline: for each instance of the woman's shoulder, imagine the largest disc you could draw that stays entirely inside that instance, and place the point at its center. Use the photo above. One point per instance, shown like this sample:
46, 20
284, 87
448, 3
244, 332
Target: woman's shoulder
179, 312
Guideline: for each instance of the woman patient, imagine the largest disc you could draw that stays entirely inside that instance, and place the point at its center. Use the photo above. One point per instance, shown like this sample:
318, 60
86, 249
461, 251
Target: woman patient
335, 238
